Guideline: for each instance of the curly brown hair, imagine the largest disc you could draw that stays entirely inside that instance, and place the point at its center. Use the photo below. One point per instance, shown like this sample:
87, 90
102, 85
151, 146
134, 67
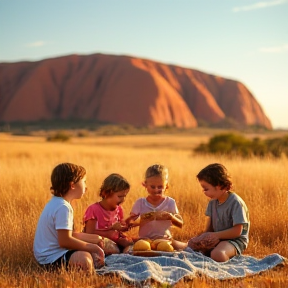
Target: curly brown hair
113, 183
62, 175
217, 175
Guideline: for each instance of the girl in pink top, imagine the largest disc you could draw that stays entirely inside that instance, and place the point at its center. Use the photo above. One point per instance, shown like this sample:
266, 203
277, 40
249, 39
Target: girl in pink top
106, 218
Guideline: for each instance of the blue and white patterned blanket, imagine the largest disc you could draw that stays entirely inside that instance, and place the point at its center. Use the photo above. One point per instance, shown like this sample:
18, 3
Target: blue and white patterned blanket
171, 267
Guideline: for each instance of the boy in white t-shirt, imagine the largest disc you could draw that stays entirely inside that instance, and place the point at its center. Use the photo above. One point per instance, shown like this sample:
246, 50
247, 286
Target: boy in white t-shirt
55, 243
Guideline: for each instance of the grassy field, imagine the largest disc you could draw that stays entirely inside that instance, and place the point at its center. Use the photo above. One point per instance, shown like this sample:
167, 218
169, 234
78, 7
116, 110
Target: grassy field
26, 164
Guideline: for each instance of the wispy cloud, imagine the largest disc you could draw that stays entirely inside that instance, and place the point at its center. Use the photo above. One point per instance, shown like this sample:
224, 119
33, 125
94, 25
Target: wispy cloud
259, 5
275, 49
36, 44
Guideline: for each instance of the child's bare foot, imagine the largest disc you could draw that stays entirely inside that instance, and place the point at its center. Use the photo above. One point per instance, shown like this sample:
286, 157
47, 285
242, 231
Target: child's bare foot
98, 258
124, 242
178, 245
128, 249
110, 247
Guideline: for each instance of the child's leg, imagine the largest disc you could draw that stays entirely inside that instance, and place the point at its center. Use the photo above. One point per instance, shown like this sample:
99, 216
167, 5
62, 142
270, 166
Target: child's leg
83, 260
87, 261
223, 251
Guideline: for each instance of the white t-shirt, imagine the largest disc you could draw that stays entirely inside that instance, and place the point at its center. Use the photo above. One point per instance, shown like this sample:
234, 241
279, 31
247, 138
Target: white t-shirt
156, 228
57, 214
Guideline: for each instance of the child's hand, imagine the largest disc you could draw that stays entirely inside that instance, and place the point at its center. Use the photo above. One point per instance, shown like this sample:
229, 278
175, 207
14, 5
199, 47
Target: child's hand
211, 238
130, 219
163, 215
148, 216
112, 234
101, 242
204, 242
96, 239
119, 226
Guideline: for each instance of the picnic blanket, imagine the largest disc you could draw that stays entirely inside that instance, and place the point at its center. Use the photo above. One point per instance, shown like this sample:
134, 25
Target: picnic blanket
170, 267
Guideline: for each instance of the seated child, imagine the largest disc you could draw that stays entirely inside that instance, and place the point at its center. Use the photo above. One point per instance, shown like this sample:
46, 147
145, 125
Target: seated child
106, 218
227, 228
55, 243
157, 212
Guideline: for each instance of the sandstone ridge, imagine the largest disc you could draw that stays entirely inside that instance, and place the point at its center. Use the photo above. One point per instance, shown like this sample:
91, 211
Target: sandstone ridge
122, 89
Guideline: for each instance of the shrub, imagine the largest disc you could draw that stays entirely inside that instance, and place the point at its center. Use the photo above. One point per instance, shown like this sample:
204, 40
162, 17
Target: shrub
226, 144
60, 136
278, 146
235, 144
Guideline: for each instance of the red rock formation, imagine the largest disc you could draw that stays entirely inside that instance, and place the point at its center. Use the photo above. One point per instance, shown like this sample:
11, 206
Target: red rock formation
122, 89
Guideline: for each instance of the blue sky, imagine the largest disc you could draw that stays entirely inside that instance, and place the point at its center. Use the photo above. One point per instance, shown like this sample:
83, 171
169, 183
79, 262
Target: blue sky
245, 40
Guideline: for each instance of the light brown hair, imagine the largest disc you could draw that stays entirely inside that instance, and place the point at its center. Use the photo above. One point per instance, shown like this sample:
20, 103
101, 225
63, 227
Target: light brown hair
113, 183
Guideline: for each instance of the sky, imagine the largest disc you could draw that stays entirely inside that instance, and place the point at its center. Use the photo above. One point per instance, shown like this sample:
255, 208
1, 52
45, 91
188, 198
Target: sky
244, 40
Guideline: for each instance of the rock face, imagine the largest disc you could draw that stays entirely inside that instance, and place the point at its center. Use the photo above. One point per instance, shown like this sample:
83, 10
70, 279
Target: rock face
122, 89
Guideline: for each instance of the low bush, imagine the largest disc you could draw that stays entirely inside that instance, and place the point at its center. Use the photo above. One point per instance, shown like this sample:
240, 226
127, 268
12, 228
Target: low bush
59, 136
236, 144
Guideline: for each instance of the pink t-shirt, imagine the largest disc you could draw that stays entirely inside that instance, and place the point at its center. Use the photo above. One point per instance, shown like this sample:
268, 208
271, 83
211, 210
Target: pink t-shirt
105, 219
156, 228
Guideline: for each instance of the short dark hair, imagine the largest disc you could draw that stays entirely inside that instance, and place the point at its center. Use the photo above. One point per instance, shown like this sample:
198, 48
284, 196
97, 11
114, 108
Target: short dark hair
113, 183
217, 175
62, 175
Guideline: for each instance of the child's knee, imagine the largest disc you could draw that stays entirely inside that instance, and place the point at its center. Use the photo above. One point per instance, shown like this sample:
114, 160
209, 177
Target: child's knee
82, 260
88, 263
219, 255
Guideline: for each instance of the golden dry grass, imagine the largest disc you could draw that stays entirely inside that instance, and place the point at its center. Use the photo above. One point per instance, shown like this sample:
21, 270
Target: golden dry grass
26, 164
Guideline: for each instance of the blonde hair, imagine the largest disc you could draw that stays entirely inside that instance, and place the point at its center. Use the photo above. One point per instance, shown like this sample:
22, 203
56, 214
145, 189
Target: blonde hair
62, 175
113, 183
157, 170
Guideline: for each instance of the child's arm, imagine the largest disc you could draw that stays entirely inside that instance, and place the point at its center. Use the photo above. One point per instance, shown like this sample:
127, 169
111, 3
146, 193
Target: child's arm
230, 233
110, 232
90, 226
208, 226
119, 226
90, 238
66, 240
130, 221
177, 220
